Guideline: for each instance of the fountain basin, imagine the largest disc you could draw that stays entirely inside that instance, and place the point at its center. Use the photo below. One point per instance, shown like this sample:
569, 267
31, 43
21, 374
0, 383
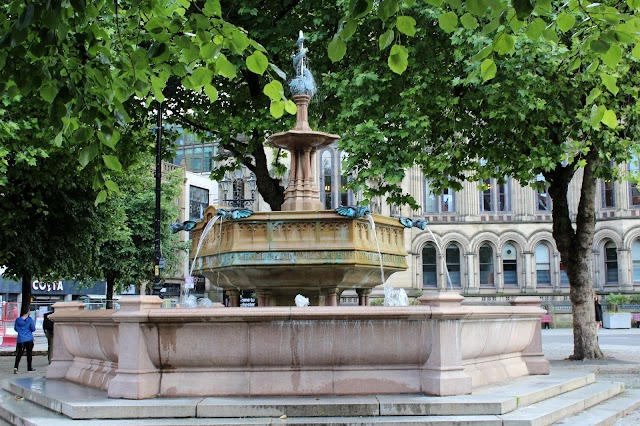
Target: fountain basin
142, 351
316, 253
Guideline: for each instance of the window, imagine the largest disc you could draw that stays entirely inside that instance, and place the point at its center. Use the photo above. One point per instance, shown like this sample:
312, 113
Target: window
608, 195
564, 278
345, 195
453, 265
327, 174
429, 268
487, 276
611, 262
495, 198
634, 191
510, 265
198, 202
543, 200
543, 265
443, 203
635, 259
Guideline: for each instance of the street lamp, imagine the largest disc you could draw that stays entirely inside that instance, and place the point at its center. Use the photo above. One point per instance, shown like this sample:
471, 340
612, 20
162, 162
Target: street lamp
233, 189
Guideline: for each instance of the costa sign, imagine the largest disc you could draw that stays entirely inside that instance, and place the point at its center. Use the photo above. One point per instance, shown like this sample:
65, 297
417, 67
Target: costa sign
47, 286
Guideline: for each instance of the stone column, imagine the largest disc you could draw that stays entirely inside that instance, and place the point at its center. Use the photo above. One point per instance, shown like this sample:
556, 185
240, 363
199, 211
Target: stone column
61, 359
264, 297
137, 377
532, 354
472, 283
363, 296
443, 373
624, 271
233, 298
331, 298
527, 285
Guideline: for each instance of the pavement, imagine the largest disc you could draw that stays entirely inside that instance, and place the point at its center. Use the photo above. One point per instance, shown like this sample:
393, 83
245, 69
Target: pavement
620, 364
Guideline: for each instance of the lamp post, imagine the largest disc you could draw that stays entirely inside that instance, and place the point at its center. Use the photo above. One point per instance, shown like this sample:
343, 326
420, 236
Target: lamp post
156, 269
233, 189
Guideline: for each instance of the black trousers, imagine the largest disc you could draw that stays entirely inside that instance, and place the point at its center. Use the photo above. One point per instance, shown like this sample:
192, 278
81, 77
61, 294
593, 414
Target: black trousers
20, 347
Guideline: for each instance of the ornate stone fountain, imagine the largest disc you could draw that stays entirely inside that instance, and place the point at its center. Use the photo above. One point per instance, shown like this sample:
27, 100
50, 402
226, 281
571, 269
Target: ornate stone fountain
301, 249
440, 347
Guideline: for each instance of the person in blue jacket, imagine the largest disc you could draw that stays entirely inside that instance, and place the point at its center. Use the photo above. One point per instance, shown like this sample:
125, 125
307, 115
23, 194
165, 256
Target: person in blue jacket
24, 326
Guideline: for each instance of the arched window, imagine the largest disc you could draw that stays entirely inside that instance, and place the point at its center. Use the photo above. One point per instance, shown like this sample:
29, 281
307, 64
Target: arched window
429, 266
443, 203
327, 179
543, 199
611, 262
510, 265
487, 275
453, 265
495, 198
543, 265
635, 259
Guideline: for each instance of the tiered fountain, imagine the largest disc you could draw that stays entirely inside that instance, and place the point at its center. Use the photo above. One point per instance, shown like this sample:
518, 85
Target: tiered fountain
439, 347
301, 249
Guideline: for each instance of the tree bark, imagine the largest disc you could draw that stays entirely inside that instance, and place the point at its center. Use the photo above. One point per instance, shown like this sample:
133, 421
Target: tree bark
26, 293
576, 251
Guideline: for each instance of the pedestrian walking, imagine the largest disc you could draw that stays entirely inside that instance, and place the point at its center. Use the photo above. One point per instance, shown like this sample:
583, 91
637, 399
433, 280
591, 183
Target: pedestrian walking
598, 308
47, 326
24, 326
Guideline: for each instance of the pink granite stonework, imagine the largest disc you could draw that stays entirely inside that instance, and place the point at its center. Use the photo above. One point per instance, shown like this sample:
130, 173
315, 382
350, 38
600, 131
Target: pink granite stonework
440, 347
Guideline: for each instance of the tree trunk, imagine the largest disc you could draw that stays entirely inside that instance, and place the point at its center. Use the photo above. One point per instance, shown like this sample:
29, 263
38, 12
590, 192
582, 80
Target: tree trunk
575, 248
26, 293
111, 282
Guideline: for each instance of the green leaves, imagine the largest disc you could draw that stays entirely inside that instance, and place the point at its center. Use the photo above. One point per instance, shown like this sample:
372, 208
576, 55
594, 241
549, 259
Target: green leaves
386, 39
610, 82
406, 25
337, 49
503, 43
274, 91
448, 22
565, 22
523, 8
87, 154
398, 59
112, 162
257, 62
488, 69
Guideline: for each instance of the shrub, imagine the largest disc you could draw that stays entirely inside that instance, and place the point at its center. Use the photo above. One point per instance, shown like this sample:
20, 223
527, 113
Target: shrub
615, 300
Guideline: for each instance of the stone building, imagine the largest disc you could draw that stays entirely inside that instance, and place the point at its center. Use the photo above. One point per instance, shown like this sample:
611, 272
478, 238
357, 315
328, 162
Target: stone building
499, 242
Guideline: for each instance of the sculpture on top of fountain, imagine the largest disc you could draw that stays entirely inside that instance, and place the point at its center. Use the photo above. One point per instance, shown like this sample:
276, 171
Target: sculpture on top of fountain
303, 83
353, 212
233, 214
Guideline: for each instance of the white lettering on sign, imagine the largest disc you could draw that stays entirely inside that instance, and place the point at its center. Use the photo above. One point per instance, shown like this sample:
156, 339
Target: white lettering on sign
47, 286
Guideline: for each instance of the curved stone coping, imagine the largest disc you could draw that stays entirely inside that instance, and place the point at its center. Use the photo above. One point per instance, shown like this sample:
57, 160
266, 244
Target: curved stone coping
321, 313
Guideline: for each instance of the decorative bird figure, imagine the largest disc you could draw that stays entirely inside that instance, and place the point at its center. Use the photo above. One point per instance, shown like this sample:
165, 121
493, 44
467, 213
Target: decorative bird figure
420, 224
353, 212
234, 214
405, 221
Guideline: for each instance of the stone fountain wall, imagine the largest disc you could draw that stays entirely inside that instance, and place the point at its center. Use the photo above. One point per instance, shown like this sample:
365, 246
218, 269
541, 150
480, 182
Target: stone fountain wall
438, 348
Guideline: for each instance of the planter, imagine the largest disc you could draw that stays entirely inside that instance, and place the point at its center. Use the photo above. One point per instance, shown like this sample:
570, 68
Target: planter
616, 320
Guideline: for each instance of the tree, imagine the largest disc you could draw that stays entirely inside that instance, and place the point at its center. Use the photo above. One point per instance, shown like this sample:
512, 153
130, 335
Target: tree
541, 113
46, 201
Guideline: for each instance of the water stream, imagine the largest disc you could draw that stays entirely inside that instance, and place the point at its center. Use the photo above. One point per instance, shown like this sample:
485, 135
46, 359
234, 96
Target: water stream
446, 269
185, 294
392, 297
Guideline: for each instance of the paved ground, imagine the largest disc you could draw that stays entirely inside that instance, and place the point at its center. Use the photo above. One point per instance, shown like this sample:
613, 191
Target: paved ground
621, 362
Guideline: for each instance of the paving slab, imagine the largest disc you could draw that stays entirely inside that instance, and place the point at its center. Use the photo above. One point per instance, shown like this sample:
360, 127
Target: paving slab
607, 412
568, 404
487, 400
